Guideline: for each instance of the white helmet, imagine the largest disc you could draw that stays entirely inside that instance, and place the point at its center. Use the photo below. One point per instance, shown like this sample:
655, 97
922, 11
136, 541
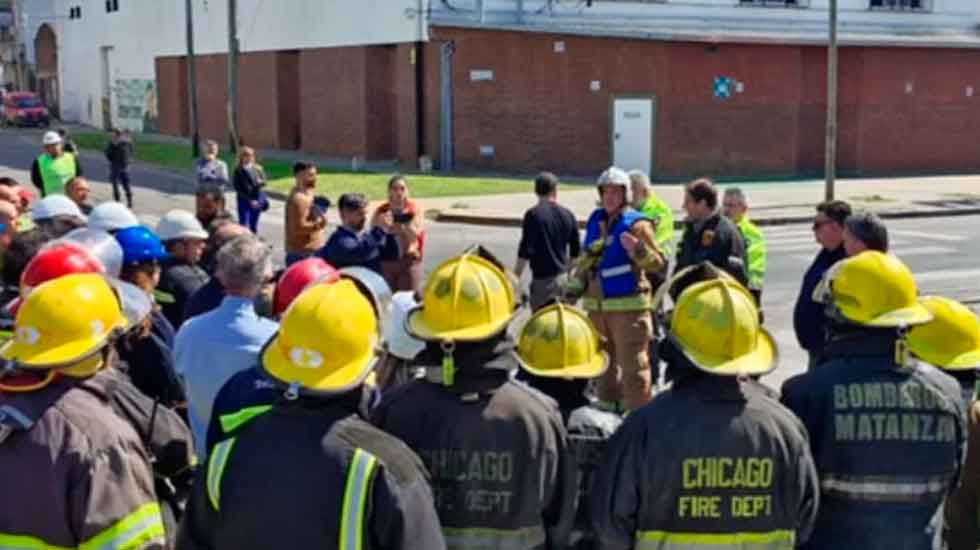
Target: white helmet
56, 205
51, 138
397, 340
615, 176
180, 224
111, 216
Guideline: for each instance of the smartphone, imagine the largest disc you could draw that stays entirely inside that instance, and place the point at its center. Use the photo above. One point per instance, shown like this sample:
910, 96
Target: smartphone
404, 217
323, 203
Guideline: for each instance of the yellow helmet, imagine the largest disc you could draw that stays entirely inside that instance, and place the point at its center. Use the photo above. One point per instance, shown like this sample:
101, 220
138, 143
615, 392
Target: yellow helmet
326, 340
560, 342
716, 325
873, 289
466, 298
64, 321
951, 340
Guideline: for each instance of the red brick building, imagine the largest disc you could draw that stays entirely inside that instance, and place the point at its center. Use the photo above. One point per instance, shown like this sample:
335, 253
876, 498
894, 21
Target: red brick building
526, 98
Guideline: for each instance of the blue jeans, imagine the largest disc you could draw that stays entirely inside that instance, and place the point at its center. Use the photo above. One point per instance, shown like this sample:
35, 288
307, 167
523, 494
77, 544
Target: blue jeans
248, 216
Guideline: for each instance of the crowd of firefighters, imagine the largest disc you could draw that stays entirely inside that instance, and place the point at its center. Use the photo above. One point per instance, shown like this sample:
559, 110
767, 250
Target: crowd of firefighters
437, 421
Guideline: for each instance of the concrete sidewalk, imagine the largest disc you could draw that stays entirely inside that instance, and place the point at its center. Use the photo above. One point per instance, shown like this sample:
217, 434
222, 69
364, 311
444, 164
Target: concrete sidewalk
769, 203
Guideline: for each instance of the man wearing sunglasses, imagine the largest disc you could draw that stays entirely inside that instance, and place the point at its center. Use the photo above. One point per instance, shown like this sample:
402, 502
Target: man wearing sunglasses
808, 315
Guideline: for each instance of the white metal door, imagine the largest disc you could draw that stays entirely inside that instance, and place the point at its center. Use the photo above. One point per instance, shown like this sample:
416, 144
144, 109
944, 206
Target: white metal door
633, 134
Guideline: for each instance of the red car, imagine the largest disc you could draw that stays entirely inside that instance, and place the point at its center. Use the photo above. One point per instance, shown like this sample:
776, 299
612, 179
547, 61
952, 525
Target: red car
24, 109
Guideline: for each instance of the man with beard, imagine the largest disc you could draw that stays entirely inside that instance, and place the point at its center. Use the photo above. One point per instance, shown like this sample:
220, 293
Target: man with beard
350, 245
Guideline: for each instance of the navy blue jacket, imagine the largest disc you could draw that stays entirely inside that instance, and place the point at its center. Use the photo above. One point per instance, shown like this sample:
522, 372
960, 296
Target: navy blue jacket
247, 388
888, 443
808, 316
345, 248
204, 299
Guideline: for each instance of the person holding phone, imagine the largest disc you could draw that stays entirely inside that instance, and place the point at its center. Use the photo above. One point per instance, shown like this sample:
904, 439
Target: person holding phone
353, 244
403, 218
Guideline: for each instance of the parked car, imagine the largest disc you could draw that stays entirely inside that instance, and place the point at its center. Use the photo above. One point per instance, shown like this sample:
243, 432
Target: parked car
25, 109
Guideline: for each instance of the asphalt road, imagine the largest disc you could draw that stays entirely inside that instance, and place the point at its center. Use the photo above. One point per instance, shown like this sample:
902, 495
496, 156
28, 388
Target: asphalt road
940, 251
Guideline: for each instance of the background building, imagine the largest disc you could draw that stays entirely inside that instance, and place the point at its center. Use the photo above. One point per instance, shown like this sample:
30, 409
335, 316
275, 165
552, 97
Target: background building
677, 87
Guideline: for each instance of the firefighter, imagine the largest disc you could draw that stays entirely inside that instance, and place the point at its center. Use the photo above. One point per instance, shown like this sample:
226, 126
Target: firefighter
501, 472
952, 342
888, 431
712, 462
75, 473
559, 351
620, 248
343, 483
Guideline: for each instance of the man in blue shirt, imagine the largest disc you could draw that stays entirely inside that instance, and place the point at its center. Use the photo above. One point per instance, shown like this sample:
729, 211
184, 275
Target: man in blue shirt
211, 348
353, 246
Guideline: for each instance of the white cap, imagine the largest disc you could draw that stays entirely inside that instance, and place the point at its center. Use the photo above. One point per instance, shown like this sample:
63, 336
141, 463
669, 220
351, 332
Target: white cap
51, 138
180, 224
55, 205
398, 341
111, 216
614, 176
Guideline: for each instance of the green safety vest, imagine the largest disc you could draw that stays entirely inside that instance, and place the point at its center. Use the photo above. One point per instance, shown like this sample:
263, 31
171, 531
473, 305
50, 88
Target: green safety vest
56, 172
755, 250
655, 208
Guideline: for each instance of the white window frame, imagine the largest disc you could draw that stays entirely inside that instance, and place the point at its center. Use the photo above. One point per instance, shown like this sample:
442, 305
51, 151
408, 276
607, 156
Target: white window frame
788, 4
900, 6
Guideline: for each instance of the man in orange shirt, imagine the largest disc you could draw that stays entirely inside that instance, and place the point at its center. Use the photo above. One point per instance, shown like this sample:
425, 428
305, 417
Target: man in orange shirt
305, 220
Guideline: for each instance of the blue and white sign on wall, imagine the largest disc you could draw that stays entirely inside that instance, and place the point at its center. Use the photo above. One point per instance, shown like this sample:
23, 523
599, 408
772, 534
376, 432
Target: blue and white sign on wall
723, 87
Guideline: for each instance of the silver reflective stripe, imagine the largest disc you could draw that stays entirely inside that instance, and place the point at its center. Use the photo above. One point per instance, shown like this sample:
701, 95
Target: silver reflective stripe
355, 499
493, 539
665, 540
216, 467
10, 412
618, 270
884, 488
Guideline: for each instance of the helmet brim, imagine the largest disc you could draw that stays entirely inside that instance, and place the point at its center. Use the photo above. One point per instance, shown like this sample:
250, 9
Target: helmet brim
592, 369
761, 361
913, 315
418, 327
57, 357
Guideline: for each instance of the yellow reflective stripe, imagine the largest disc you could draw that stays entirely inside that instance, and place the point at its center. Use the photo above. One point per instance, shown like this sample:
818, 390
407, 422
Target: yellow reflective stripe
162, 297
216, 468
233, 421
132, 532
636, 302
479, 538
25, 542
355, 498
664, 540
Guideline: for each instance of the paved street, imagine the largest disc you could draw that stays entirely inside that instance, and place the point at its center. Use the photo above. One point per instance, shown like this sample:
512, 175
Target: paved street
940, 251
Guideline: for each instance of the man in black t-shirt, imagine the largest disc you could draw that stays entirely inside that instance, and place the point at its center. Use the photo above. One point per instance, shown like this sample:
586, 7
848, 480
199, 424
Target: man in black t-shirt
549, 241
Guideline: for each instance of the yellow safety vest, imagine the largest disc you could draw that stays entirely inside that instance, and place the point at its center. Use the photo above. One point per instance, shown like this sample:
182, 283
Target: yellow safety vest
56, 172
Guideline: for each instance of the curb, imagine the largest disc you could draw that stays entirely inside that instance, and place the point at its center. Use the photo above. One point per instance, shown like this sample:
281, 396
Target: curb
498, 221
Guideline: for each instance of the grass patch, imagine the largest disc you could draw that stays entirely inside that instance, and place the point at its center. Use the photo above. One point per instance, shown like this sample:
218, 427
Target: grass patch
331, 182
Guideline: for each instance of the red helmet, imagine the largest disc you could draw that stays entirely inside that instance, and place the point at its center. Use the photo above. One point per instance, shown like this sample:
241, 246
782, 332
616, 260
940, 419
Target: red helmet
57, 261
297, 277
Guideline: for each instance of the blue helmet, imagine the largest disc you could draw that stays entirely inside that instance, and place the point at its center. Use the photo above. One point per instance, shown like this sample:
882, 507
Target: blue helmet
140, 244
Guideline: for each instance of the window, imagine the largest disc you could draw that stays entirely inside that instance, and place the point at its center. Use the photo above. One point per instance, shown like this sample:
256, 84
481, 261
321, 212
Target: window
775, 3
75, 12
111, 6
901, 5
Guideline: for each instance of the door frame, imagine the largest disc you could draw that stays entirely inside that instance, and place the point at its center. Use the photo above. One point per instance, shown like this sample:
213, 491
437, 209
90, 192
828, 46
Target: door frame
653, 128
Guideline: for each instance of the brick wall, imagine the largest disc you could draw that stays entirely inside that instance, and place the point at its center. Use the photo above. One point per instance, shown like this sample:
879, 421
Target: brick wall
290, 130
258, 99
171, 75
539, 113
332, 105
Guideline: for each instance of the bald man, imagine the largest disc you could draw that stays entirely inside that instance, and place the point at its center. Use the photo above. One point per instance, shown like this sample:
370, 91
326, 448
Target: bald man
210, 295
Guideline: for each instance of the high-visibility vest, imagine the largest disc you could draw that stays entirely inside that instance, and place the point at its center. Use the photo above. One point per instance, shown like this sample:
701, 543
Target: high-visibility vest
56, 172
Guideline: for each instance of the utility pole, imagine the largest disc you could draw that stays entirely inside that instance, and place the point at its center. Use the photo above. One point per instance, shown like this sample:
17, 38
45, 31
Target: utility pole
233, 74
830, 169
192, 82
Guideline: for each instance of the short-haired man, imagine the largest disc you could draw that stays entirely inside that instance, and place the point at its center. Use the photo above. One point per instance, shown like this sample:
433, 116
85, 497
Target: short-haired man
809, 318
78, 190
118, 152
209, 206
735, 205
305, 221
352, 244
549, 241
708, 236
181, 274
864, 231
212, 347
209, 167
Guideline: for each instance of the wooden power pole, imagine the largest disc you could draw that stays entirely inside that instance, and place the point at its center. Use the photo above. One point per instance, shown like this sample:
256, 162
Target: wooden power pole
233, 74
830, 170
192, 82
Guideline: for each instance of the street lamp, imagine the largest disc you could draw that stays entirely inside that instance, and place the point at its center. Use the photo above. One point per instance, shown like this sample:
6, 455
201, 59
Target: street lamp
830, 168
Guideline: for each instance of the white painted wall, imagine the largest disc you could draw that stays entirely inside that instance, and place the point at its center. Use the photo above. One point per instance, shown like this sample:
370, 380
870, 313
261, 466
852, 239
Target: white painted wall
948, 22
143, 29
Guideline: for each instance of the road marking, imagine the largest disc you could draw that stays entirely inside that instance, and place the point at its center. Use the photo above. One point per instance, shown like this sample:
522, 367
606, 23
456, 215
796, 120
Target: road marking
902, 252
926, 235
816, 247
947, 275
